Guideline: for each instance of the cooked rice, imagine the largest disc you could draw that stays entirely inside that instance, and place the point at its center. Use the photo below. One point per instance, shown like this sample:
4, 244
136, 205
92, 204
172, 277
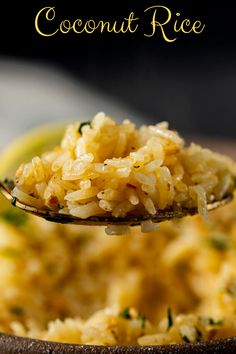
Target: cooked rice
105, 168
72, 284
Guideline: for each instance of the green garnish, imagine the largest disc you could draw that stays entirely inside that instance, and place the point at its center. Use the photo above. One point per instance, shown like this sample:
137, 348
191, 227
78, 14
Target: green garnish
209, 321
15, 217
169, 318
17, 310
142, 318
213, 322
82, 238
9, 182
198, 335
219, 241
82, 125
125, 313
184, 337
13, 201
60, 206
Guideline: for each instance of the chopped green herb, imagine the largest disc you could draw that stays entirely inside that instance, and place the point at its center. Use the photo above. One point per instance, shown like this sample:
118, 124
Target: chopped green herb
209, 321
17, 310
184, 337
82, 239
219, 241
13, 201
142, 319
213, 322
60, 206
9, 182
82, 125
169, 318
125, 314
15, 217
198, 335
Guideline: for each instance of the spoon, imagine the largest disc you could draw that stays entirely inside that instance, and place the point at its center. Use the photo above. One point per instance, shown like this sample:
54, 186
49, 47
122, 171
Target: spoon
130, 220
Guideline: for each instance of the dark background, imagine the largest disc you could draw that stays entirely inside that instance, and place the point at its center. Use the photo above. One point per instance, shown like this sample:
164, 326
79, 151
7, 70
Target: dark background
191, 82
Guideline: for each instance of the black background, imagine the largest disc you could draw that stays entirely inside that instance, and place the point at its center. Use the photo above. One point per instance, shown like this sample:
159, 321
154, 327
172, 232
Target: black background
191, 82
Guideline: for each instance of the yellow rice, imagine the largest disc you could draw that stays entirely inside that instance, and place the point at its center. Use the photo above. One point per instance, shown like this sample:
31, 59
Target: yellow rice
74, 284
106, 168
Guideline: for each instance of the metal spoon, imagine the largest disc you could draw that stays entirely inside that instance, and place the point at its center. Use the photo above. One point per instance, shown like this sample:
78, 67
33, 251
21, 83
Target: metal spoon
50, 215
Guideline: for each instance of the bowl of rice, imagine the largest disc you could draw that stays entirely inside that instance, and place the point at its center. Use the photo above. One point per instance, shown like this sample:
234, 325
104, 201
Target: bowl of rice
73, 289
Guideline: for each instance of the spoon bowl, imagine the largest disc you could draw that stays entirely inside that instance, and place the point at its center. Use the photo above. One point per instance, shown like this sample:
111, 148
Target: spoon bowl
129, 220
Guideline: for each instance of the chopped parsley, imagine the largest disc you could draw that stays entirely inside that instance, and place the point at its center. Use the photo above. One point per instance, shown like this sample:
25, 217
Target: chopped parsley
13, 201
60, 206
198, 335
169, 318
82, 239
209, 321
9, 182
17, 310
82, 125
184, 337
213, 322
219, 241
15, 217
142, 319
125, 313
